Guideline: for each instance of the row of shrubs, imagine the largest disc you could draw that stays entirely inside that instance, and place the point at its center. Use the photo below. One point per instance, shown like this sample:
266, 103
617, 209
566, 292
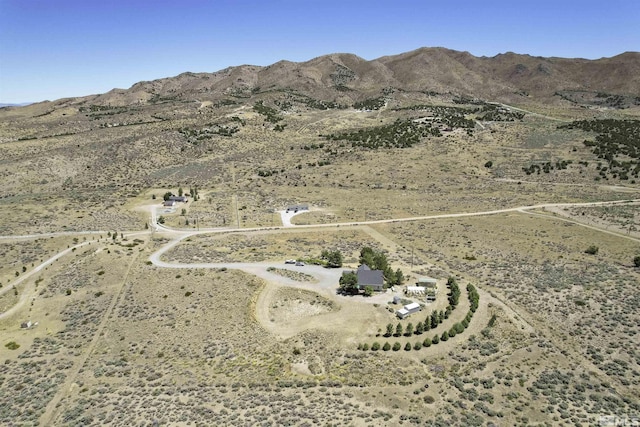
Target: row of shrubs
457, 328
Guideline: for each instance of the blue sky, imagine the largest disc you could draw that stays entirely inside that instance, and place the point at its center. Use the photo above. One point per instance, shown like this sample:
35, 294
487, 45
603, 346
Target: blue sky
51, 49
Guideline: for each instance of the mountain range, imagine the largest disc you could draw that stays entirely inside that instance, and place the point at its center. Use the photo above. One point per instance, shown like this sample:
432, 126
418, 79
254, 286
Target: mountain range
345, 78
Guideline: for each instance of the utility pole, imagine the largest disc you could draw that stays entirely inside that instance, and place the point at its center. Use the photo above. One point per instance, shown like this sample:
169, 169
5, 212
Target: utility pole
412, 258
237, 211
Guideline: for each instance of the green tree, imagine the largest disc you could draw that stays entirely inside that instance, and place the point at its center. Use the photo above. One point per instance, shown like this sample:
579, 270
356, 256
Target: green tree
398, 330
380, 261
426, 342
333, 258
349, 283
407, 347
167, 195
434, 320
386, 346
389, 330
180, 192
366, 257
417, 345
419, 328
396, 346
375, 346
368, 291
444, 336
409, 330
435, 339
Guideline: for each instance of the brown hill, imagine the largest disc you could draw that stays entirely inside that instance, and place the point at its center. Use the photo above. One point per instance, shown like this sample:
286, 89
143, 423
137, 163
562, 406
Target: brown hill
347, 77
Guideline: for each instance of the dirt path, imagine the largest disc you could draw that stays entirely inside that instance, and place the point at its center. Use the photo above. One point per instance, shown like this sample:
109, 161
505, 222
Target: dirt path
52, 409
583, 224
29, 290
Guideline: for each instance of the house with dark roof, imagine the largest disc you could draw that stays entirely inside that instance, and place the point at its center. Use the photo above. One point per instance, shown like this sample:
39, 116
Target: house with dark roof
182, 199
369, 277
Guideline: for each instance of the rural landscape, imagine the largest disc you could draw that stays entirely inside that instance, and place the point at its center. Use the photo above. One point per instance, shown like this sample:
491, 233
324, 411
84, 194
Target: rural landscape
429, 238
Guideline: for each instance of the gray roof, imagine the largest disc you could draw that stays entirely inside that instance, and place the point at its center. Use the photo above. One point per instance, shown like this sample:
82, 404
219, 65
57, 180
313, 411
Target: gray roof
366, 276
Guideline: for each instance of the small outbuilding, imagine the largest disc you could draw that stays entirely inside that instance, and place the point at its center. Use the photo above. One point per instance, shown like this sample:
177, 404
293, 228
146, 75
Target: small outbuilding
408, 309
415, 290
26, 325
427, 282
169, 203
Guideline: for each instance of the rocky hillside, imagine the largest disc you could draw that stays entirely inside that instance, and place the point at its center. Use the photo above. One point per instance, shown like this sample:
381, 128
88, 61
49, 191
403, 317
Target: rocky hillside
347, 78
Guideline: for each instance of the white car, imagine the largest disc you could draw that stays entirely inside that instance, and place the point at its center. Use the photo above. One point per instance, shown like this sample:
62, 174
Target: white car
290, 261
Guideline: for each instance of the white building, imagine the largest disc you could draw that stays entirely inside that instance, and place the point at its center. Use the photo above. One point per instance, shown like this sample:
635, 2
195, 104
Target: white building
408, 310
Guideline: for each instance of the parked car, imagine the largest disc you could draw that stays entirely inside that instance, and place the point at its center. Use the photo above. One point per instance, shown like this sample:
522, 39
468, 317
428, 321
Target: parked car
290, 261
300, 264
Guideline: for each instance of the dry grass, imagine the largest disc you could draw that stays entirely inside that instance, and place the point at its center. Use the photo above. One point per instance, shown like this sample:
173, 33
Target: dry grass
188, 346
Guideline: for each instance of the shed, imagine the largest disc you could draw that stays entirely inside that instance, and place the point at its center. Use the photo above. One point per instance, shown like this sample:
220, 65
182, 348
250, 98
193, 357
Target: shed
415, 290
169, 203
427, 282
408, 310
26, 325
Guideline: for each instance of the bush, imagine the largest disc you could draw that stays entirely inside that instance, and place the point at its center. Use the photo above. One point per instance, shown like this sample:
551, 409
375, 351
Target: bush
365, 346
386, 346
591, 250
436, 339
12, 345
417, 345
396, 346
407, 347
375, 346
